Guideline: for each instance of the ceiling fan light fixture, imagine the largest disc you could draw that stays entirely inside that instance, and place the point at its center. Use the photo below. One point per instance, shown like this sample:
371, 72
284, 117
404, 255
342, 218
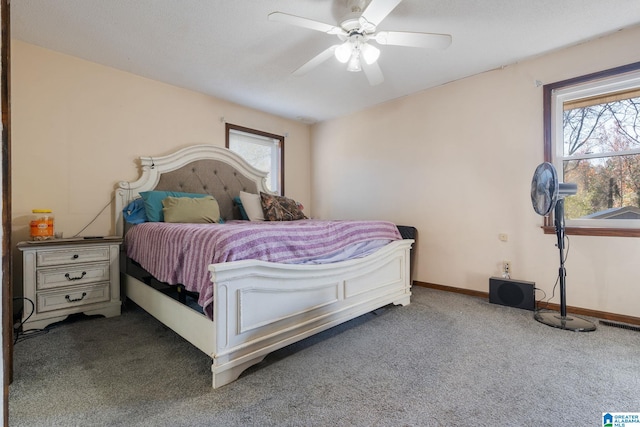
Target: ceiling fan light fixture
370, 54
354, 63
344, 52
358, 27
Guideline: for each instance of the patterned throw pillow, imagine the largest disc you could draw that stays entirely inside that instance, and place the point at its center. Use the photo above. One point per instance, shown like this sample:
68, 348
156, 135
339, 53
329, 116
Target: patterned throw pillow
280, 208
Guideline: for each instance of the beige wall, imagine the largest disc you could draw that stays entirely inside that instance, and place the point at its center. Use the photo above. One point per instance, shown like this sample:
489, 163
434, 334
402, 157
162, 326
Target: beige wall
78, 128
456, 162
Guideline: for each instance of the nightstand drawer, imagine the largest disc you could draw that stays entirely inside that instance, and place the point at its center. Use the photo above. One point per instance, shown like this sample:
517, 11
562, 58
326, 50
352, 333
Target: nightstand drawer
48, 278
71, 297
72, 256
69, 276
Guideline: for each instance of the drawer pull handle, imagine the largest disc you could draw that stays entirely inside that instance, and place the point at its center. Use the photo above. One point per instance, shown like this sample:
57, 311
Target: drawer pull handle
84, 294
75, 256
75, 278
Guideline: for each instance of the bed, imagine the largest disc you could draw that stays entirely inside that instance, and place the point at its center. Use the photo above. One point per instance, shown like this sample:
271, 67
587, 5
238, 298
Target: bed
257, 306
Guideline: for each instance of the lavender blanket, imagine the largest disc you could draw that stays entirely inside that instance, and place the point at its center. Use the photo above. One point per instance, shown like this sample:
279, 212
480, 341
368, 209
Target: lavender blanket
181, 253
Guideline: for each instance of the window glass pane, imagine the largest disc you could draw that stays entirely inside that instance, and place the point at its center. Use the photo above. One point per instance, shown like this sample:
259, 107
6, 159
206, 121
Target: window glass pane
608, 187
608, 127
259, 151
258, 156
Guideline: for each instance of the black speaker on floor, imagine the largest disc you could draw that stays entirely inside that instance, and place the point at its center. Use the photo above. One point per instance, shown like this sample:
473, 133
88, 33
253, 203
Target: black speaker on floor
512, 293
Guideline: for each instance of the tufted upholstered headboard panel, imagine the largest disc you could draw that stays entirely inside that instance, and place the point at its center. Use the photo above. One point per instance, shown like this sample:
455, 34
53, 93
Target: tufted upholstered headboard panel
214, 177
196, 169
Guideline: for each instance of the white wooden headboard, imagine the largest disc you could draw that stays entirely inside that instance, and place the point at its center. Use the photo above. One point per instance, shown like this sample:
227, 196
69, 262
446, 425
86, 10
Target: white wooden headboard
197, 169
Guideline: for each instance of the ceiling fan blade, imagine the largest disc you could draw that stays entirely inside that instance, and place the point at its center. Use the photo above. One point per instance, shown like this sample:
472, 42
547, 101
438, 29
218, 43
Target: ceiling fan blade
401, 38
316, 60
378, 10
373, 73
305, 23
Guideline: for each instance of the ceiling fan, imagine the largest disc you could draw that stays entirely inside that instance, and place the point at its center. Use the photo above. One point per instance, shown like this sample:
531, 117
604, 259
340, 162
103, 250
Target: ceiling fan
355, 32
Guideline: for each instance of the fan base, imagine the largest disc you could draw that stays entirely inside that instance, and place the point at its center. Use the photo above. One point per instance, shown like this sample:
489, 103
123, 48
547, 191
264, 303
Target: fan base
569, 323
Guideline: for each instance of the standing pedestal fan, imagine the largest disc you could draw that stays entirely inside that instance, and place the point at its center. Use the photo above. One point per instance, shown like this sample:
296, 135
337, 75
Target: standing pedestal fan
548, 194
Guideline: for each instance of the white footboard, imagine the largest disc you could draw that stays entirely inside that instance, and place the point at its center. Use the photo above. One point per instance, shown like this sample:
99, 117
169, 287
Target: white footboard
260, 307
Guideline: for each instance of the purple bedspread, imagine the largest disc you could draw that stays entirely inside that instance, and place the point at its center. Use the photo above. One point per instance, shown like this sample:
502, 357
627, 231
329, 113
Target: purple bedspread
181, 253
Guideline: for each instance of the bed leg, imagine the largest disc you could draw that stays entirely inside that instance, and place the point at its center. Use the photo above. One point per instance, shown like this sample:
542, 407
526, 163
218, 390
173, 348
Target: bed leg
405, 300
182, 294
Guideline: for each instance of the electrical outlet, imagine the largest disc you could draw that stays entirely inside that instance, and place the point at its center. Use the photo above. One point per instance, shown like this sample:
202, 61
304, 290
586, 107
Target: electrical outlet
506, 267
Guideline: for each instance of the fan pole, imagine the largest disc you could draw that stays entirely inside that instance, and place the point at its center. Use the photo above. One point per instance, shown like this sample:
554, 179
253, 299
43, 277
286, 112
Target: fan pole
551, 318
562, 272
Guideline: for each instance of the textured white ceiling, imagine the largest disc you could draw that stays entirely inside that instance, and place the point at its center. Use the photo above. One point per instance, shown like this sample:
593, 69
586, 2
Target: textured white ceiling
229, 49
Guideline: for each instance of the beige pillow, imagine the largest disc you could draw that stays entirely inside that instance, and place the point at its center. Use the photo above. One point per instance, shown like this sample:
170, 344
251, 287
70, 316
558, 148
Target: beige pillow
187, 209
252, 205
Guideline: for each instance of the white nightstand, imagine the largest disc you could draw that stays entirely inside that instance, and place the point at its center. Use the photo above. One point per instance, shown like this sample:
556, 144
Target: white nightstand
67, 276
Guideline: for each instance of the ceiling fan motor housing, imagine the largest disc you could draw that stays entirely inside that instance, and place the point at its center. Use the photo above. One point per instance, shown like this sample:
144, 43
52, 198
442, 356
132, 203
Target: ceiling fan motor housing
353, 20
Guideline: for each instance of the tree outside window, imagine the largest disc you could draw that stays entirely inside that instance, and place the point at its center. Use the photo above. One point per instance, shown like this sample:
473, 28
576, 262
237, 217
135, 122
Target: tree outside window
262, 150
611, 181
592, 136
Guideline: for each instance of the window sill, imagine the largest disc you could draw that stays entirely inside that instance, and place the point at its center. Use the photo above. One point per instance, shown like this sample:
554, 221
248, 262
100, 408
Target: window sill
592, 231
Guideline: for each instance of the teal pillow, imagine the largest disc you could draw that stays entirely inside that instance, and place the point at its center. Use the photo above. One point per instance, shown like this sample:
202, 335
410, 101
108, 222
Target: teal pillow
153, 202
243, 213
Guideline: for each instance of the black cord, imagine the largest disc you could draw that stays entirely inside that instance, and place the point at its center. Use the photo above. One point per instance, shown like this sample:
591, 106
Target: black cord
20, 335
543, 297
30, 333
33, 307
96, 217
565, 255
553, 293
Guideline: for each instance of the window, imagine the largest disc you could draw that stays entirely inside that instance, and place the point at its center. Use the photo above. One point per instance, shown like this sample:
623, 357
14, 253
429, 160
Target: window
261, 150
592, 136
